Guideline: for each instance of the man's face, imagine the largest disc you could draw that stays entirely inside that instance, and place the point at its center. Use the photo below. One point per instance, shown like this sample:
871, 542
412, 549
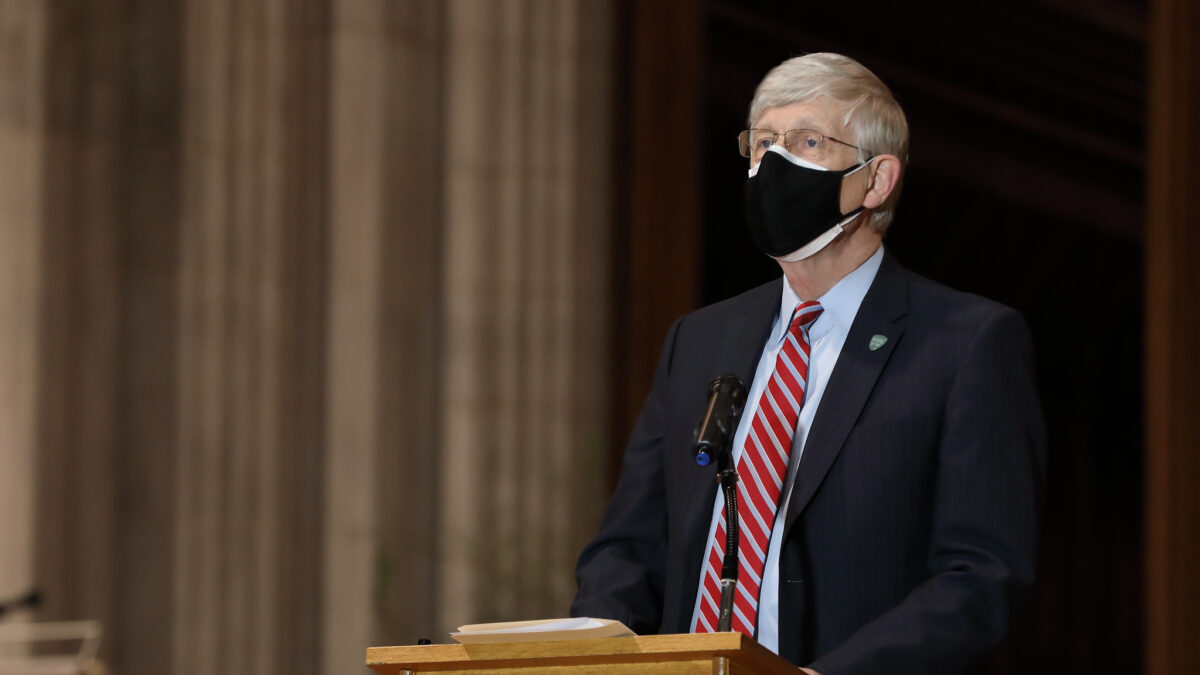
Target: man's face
818, 116
824, 117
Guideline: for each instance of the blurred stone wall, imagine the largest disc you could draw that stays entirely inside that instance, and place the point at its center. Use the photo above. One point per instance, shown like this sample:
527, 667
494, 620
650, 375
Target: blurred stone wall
303, 319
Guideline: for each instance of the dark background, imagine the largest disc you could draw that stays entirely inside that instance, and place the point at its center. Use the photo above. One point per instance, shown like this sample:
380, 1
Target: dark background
1025, 185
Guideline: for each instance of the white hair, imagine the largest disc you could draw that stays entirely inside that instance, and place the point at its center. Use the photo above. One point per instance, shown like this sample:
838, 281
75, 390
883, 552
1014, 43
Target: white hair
871, 113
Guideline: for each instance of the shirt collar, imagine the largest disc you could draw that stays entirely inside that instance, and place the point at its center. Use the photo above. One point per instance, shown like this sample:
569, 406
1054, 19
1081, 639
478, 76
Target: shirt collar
840, 302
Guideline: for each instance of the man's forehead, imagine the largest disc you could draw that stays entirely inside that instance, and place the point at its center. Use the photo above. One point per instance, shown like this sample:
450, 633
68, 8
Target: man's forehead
819, 114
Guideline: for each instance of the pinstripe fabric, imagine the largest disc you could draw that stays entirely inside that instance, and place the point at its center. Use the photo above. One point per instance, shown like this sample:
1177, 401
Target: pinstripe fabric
761, 470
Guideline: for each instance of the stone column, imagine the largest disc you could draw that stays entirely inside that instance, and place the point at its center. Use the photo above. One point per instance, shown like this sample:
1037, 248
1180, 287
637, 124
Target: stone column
362, 45
385, 346
525, 276
21, 145
105, 352
252, 312
243, 280
469, 295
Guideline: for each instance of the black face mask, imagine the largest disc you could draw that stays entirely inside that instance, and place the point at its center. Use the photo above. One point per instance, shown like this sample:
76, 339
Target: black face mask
788, 206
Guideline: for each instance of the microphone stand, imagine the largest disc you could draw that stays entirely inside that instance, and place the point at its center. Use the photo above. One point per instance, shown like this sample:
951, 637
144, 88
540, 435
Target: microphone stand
727, 477
726, 396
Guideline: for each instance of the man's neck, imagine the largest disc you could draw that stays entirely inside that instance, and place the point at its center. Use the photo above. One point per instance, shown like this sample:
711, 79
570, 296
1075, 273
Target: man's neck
812, 277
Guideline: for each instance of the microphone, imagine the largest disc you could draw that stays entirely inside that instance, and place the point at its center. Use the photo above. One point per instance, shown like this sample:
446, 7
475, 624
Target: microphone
726, 398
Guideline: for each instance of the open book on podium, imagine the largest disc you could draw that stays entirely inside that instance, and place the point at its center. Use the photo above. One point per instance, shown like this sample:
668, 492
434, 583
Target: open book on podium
579, 646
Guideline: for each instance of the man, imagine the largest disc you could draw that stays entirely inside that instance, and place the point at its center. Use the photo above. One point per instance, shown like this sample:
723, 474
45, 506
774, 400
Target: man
891, 450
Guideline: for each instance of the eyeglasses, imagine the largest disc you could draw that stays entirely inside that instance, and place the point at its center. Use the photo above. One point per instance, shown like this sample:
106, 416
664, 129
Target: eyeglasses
807, 143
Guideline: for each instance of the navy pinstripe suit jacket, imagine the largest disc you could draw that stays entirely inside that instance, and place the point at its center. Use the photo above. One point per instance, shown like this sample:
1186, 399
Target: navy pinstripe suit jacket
912, 523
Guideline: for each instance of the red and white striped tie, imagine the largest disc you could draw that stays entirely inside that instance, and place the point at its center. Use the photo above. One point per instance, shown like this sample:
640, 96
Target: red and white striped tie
761, 469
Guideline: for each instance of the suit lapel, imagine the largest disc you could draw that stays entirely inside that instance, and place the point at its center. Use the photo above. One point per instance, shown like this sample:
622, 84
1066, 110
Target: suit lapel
741, 347
858, 367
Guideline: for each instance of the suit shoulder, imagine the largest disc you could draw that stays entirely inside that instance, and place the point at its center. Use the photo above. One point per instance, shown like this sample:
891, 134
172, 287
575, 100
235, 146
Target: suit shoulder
940, 308
724, 333
932, 297
753, 301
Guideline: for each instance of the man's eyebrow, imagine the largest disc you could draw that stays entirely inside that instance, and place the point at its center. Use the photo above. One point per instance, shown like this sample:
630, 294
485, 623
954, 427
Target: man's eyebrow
799, 123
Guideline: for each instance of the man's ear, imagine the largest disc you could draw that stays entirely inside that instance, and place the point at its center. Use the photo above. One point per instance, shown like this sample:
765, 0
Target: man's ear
884, 177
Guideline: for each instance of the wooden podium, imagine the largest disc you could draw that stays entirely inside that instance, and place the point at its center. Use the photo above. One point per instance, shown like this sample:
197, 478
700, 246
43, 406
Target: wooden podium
708, 653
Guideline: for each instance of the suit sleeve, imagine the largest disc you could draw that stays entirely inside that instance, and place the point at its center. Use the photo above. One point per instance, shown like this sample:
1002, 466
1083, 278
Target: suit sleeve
987, 494
620, 572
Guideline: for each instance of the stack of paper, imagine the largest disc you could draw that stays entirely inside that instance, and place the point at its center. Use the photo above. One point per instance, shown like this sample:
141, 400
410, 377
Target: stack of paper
539, 630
